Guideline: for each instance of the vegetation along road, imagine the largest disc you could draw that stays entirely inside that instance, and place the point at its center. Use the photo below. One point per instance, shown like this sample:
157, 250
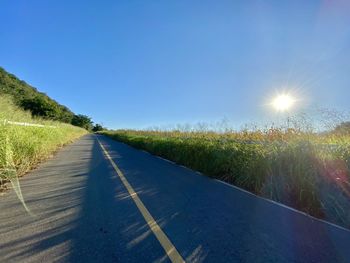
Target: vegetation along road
99, 200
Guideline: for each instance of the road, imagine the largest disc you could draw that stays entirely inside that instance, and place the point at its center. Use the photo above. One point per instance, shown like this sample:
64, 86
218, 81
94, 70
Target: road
89, 204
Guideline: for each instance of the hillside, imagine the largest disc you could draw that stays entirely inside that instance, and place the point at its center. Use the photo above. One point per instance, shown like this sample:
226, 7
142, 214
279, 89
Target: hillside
22, 147
29, 98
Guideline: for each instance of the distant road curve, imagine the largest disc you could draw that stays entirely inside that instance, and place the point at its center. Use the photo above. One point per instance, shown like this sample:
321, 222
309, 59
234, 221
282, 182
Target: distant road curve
99, 200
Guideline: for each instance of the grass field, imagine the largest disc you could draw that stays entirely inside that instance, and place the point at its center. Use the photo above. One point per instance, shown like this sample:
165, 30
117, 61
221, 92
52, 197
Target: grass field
22, 147
304, 170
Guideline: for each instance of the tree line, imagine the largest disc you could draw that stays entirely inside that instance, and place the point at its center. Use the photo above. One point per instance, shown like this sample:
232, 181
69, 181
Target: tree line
41, 105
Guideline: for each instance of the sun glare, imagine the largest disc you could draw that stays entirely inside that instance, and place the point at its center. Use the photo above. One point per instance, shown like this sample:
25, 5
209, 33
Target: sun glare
283, 102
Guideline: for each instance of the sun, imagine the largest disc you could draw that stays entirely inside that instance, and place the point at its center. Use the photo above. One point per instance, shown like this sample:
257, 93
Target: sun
283, 102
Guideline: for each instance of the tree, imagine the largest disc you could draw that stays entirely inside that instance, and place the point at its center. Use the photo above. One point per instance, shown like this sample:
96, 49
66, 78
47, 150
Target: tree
82, 121
343, 128
39, 106
97, 127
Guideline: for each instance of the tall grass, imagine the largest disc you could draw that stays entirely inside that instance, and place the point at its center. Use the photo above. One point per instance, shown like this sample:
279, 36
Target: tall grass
22, 147
308, 171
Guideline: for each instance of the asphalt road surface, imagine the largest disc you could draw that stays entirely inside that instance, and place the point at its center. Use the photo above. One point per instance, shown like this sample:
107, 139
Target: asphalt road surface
117, 204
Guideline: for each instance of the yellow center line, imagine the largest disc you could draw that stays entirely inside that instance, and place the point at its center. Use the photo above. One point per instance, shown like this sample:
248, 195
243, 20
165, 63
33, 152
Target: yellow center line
169, 248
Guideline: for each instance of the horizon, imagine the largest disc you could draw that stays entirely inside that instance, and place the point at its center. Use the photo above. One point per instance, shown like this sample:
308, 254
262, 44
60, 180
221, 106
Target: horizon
137, 65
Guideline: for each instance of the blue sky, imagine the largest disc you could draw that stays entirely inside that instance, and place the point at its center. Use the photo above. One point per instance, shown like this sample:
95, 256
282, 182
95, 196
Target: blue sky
143, 63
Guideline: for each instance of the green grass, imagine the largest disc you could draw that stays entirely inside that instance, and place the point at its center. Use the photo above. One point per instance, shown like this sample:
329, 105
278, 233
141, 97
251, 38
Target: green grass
23, 147
307, 171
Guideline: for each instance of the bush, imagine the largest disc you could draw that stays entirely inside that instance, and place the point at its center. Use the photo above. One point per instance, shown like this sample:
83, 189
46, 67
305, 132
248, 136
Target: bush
287, 166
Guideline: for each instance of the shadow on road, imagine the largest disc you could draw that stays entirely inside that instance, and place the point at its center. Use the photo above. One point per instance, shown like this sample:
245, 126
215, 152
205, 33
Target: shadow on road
109, 227
83, 214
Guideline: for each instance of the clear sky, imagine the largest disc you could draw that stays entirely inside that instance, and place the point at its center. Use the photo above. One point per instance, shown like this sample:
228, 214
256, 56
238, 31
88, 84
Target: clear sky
142, 63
